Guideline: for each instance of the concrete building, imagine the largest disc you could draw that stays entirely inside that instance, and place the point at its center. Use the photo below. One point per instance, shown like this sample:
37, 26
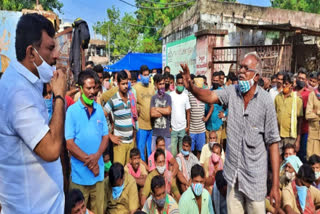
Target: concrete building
212, 36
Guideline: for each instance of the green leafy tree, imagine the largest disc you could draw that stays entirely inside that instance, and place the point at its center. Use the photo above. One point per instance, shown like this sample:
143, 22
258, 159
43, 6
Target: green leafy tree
18, 5
312, 6
122, 32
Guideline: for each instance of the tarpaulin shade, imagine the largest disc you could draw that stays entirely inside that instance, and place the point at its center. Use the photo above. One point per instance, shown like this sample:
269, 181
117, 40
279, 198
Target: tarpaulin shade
133, 61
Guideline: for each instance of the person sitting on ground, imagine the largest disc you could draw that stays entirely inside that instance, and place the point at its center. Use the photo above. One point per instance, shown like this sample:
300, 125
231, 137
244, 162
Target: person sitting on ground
186, 160
314, 162
290, 167
75, 203
288, 150
161, 169
206, 151
219, 194
170, 161
159, 201
212, 165
121, 193
300, 196
137, 168
196, 199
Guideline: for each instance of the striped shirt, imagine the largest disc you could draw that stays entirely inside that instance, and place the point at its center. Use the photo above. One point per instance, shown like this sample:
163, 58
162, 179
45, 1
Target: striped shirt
250, 132
121, 113
197, 125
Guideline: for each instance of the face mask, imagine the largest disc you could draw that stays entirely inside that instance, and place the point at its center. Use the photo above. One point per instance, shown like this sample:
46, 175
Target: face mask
245, 85
197, 188
171, 87
286, 90
145, 80
180, 88
215, 158
161, 169
167, 86
290, 176
117, 191
300, 84
185, 153
129, 85
45, 70
159, 202
86, 100
302, 195
317, 174
161, 91
211, 144
215, 86
107, 166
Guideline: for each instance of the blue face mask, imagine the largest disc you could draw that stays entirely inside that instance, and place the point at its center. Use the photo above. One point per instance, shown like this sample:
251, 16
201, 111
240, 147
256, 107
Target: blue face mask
144, 80
117, 191
185, 153
197, 188
245, 85
49, 105
302, 195
129, 85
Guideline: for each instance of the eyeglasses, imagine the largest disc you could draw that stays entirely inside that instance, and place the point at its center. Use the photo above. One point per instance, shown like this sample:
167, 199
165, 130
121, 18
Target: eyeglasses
247, 69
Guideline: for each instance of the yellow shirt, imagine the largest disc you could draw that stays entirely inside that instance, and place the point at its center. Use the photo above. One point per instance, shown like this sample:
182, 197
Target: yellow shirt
147, 185
129, 199
284, 109
288, 197
313, 116
144, 95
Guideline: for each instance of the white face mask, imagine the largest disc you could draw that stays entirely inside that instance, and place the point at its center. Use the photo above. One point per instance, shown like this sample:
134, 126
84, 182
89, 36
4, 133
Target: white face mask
317, 174
45, 70
161, 169
290, 176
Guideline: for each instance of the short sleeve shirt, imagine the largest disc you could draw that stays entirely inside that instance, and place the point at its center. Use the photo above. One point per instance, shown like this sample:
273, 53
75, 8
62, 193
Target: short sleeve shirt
197, 125
151, 162
180, 103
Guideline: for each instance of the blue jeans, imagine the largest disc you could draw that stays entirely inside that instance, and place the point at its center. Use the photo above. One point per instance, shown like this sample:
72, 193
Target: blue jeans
198, 140
144, 138
303, 148
176, 140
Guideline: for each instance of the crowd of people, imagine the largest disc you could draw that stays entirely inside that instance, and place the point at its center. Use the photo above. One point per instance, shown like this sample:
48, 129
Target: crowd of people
150, 142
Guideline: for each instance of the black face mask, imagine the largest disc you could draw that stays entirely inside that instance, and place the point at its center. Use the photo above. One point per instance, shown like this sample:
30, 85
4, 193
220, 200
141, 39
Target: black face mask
215, 86
167, 85
300, 84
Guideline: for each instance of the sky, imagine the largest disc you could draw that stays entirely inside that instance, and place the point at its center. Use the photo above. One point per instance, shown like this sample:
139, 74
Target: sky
95, 10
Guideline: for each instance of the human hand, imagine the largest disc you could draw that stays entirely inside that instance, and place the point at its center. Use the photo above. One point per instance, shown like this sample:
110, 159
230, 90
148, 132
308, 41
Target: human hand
221, 114
59, 83
186, 76
91, 160
115, 139
275, 198
95, 170
187, 130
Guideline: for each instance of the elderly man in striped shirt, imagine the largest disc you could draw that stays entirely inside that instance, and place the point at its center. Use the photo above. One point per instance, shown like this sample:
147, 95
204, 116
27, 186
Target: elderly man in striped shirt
252, 130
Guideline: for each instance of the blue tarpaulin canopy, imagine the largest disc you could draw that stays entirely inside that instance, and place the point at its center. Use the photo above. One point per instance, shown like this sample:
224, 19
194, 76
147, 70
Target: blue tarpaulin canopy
133, 61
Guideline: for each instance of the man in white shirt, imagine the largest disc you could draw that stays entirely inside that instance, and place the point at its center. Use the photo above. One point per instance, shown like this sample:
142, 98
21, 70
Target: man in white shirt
180, 115
31, 178
275, 91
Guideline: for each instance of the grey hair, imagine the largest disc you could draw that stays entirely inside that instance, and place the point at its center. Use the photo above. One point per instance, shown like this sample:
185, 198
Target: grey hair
259, 62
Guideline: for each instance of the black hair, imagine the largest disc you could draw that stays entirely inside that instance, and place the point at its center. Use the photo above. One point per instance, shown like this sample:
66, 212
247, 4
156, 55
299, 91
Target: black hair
313, 159
282, 73
1, 74
187, 139
134, 152
158, 153
204, 77
273, 77
260, 82
134, 75
221, 73
84, 75
159, 138
90, 63
73, 197
313, 75
144, 68
157, 182
306, 174
317, 74
116, 172
179, 76
29, 32
287, 78
289, 146
216, 74
158, 78
220, 181
106, 75
171, 77
166, 68
98, 68
232, 76
122, 75
217, 145
139, 212
197, 170
192, 76
166, 75
302, 70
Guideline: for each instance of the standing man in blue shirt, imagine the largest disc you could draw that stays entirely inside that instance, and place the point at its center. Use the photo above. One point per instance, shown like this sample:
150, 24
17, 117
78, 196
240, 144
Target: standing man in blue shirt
86, 132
